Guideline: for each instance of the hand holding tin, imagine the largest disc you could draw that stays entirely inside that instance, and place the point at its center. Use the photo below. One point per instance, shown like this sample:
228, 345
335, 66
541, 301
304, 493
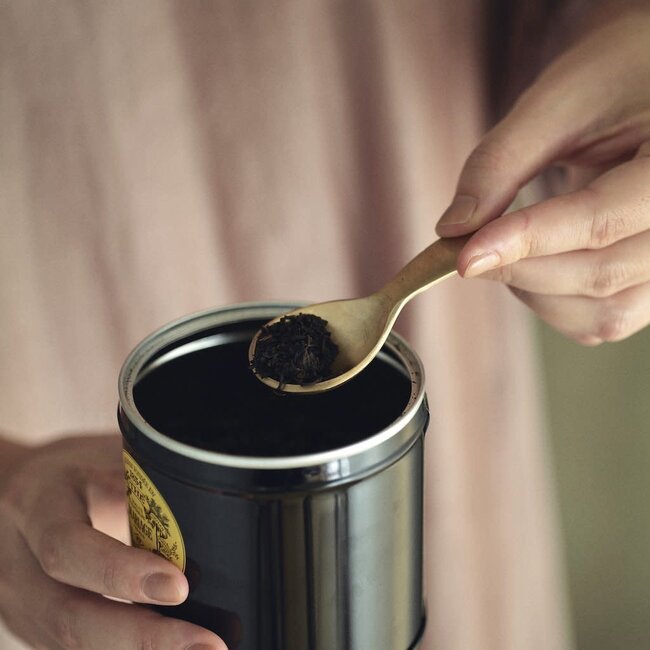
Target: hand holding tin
56, 565
360, 326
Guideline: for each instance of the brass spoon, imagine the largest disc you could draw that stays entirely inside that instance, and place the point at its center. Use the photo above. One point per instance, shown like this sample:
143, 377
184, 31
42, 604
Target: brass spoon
360, 326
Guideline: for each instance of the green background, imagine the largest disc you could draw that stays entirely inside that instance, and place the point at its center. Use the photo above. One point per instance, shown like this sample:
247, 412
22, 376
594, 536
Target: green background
599, 415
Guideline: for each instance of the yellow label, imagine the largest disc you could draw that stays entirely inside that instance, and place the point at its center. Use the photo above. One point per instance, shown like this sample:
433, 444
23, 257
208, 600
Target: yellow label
153, 526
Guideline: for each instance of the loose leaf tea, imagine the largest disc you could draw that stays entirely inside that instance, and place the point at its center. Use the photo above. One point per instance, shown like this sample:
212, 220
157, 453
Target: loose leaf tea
296, 350
231, 412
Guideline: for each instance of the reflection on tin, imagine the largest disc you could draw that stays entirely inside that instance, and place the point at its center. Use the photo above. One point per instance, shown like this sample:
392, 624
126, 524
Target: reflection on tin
332, 471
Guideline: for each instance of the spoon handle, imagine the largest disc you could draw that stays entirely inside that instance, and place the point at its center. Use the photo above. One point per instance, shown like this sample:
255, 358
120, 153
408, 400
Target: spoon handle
433, 264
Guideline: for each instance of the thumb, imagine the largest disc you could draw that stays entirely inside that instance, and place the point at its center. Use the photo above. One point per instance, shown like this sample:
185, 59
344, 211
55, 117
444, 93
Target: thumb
509, 156
546, 122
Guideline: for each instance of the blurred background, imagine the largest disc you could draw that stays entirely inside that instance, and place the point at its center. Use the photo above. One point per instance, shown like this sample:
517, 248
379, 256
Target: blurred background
598, 403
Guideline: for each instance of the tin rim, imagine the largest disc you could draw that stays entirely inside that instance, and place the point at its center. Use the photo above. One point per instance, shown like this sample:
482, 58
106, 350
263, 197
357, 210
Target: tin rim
179, 330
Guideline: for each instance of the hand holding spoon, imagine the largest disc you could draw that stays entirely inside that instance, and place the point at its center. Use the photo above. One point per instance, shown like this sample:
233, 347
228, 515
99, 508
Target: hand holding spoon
360, 326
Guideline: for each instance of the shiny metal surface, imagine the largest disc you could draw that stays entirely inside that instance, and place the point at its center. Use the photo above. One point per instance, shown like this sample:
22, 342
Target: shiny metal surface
318, 552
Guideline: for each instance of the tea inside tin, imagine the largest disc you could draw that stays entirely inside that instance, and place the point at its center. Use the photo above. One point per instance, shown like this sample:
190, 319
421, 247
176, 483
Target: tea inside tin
209, 398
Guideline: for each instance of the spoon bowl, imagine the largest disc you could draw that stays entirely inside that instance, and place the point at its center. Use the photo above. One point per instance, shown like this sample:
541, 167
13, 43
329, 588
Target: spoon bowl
360, 326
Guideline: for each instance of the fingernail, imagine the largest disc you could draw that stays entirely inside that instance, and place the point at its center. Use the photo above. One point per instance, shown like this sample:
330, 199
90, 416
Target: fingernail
481, 263
163, 587
460, 211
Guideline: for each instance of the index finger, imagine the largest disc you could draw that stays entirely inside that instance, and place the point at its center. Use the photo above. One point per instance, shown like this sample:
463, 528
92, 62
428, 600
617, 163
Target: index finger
540, 128
60, 535
615, 206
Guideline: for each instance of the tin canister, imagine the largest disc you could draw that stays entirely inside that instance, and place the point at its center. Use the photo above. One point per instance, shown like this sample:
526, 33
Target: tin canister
296, 519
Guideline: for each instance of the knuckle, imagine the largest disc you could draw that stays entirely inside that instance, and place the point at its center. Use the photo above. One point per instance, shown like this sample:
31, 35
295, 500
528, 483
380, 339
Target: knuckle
49, 551
110, 576
610, 228
609, 277
119, 578
531, 243
606, 228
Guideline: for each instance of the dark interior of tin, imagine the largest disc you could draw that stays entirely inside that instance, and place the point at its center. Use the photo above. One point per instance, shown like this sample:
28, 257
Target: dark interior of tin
209, 398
